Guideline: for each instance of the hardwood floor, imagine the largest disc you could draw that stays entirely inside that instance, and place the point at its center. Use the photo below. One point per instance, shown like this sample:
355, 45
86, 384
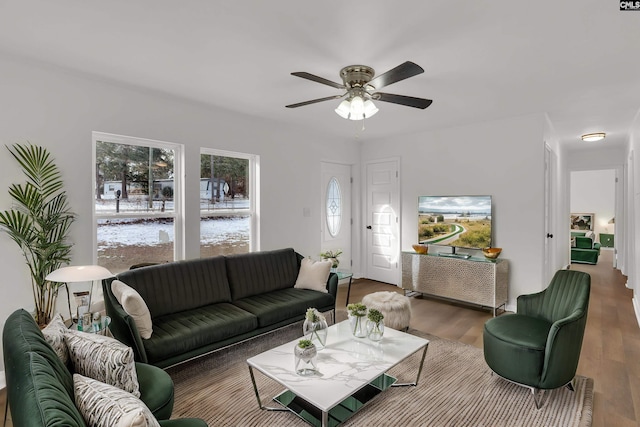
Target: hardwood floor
610, 351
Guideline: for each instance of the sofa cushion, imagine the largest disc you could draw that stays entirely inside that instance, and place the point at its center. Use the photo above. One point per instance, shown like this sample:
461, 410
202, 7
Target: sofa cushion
523, 336
135, 307
104, 359
54, 334
313, 275
197, 282
103, 405
261, 272
180, 333
52, 405
284, 304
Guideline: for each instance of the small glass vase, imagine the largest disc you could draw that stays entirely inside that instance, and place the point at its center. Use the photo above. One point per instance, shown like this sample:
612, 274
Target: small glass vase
375, 331
305, 360
358, 326
316, 332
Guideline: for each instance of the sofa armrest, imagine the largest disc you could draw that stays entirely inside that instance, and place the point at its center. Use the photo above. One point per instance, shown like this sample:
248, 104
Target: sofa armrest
122, 325
332, 285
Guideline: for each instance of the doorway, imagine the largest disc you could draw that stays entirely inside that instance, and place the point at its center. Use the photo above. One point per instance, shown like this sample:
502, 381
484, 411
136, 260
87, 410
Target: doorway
382, 221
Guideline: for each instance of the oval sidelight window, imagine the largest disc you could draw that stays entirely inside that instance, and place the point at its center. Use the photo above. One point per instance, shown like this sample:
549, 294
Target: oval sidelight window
334, 207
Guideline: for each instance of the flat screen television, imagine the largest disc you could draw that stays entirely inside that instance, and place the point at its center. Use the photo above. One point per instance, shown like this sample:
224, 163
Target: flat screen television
456, 221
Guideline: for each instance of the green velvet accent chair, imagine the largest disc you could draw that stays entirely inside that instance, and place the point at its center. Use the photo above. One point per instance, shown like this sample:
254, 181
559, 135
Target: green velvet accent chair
539, 346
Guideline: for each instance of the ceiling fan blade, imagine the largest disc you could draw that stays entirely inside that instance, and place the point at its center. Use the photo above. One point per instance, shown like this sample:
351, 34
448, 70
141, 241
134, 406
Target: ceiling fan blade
318, 79
313, 101
401, 72
409, 101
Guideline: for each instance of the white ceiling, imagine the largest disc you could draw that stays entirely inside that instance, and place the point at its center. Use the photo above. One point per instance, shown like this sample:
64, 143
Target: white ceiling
484, 60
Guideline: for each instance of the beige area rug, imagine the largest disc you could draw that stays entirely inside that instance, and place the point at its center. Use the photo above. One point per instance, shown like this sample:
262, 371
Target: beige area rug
456, 389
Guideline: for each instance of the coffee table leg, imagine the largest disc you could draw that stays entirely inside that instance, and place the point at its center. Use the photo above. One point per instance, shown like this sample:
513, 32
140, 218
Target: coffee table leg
413, 384
255, 389
325, 419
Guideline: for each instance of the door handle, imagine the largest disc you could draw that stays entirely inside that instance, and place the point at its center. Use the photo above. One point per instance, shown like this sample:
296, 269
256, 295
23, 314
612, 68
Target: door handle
368, 227
549, 236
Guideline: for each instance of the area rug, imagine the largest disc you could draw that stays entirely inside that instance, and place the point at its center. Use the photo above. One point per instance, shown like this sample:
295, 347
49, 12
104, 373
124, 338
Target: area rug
456, 388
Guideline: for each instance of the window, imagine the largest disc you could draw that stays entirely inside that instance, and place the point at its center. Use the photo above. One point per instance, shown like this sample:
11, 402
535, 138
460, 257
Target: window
334, 207
227, 202
137, 195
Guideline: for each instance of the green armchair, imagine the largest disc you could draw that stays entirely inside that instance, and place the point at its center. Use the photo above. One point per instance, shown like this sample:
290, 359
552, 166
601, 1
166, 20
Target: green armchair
539, 346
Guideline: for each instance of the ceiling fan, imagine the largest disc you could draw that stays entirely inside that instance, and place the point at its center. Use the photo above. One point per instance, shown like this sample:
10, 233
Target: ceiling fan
361, 87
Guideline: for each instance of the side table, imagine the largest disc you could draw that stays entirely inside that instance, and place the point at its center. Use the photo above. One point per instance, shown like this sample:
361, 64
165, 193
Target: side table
342, 275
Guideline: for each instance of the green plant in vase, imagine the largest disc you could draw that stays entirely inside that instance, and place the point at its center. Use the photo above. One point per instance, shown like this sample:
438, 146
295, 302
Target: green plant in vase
315, 327
357, 312
375, 324
39, 223
332, 255
305, 353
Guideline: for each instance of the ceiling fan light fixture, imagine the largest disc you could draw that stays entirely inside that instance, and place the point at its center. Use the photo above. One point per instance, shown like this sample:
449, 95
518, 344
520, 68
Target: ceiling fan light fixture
357, 108
344, 109
369, 108
591, 137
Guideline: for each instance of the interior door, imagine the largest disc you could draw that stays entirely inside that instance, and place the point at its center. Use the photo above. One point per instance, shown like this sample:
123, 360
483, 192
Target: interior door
550, 160
382, 221
336, 211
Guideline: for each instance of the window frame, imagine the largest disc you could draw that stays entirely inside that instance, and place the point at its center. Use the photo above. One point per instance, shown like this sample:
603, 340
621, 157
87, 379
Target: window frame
178, 212
254, 194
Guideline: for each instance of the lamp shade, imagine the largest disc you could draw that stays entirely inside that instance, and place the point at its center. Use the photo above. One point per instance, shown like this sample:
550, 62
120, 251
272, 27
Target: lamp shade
343, 109
79, 273
369, 108
357, 108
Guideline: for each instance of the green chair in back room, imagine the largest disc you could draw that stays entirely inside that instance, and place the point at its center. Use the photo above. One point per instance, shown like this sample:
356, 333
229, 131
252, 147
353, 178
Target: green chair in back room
539, 346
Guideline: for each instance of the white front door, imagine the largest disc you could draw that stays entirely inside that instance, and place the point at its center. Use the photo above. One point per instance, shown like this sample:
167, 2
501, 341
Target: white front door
336, 211
382, 221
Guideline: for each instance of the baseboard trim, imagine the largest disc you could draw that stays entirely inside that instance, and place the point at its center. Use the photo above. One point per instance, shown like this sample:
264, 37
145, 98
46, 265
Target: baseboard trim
636, 308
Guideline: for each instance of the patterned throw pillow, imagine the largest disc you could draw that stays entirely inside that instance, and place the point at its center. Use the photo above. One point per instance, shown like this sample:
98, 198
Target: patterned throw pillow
54, 335
104, 359
135, 307
103, 405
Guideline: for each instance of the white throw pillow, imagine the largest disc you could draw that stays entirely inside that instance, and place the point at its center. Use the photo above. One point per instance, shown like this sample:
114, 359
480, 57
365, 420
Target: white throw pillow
54, 335
104, 359
135, 307
103, 405
313, 275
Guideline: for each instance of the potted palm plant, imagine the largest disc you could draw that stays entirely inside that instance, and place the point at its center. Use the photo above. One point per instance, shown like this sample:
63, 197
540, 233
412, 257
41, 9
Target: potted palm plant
39, 222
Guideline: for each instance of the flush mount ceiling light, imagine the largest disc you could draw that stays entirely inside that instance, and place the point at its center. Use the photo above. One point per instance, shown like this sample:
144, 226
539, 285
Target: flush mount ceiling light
360, 88
591, 137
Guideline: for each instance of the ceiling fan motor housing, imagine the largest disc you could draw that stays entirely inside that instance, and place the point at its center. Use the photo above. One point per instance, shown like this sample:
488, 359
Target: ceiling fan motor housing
356, 76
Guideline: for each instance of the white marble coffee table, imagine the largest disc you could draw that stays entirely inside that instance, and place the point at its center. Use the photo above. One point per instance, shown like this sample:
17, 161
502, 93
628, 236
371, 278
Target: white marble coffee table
352, 371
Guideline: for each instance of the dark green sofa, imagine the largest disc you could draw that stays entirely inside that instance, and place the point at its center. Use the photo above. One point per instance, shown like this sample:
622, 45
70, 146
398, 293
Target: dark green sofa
584, 251
202, 305
40, 386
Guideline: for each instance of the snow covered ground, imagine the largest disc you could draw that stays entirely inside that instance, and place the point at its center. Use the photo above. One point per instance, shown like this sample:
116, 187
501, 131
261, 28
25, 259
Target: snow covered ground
118, 233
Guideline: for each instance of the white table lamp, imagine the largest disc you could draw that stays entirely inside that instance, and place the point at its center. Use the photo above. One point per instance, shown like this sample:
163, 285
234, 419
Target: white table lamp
79, 273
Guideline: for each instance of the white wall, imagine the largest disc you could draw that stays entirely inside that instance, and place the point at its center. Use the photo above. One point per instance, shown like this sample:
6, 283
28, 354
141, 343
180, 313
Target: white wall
504, 159
59, 109
594, 192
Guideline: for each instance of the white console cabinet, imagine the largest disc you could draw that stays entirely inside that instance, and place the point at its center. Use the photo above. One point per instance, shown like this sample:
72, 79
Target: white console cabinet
472, 280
